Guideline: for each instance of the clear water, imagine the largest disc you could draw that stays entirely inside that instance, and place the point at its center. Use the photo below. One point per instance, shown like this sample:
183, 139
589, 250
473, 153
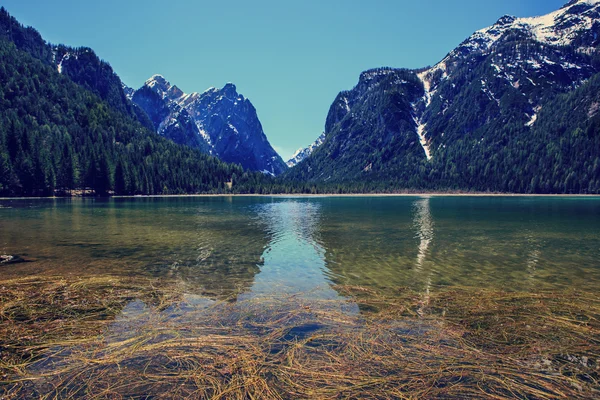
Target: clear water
239, 247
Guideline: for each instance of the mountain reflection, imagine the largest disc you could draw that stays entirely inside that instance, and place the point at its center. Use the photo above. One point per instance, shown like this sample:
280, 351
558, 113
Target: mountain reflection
424, 226
226, 247
294, 259
377, 245
222, 252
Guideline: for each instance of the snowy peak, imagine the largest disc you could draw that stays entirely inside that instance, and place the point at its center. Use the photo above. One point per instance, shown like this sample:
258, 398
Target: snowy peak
559, 28
526, 53
220, 121
302, 153
579, 2
158, 83
163, 87
516, 58
189, 101
157, 80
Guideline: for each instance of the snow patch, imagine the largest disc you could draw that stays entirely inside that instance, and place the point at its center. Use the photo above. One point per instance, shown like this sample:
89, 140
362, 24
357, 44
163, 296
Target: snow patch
60, 64
427, 77
203, 133
534, 117
346, 104
558, 28
488, 92
532, 120
421, 133
233, 128
421, 126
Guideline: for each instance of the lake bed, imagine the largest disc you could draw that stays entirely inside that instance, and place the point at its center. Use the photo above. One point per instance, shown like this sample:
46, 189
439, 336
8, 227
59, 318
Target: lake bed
301, 297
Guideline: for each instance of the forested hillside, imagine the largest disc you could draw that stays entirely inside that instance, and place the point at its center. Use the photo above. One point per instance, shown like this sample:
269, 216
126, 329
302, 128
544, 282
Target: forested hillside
81, 65
56, 136
514, 108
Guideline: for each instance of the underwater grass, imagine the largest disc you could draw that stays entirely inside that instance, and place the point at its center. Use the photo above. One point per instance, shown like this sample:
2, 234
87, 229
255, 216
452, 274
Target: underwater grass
63, 337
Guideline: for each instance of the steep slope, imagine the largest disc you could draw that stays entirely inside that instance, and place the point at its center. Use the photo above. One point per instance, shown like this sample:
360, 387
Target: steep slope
474, 115
57, 137
368, 129
302, 153
80, 65
220, 122
169, 119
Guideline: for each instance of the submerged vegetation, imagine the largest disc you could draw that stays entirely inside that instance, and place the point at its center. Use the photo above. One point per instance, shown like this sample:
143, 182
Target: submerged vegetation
114, 337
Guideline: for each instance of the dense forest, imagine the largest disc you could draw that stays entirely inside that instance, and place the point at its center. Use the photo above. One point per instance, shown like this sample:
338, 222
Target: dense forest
75, 132
479, 126
66, 127
56, 137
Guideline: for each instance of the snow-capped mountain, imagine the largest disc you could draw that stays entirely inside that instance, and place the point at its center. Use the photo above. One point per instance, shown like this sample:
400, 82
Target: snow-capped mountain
552, 51
303, 152
570, 25
490, 116
222, 122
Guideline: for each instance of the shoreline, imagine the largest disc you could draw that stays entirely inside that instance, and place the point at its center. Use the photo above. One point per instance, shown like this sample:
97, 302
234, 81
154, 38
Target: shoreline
324, 195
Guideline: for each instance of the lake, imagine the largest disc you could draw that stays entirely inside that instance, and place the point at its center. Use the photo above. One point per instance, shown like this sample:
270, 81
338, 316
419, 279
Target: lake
263, 264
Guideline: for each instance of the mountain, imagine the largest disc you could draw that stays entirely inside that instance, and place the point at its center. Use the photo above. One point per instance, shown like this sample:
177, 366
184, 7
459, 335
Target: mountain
219, 121
66, 126
302, 153
489, 117
81, 65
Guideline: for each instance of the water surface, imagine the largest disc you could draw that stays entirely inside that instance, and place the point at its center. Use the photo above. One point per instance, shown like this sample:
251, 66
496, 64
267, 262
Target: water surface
381, 297
225, 247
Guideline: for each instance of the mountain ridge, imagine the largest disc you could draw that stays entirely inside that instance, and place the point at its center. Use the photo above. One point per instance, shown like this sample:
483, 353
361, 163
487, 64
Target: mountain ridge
469, 114
221, 122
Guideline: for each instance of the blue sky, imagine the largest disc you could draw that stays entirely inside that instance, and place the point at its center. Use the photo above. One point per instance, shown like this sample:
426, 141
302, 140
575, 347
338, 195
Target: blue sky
290, 58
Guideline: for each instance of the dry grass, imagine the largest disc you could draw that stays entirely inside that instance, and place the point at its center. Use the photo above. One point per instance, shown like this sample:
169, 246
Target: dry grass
68, 338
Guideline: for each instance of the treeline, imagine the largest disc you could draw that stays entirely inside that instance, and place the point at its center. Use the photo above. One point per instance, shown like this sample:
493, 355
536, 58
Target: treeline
56, 137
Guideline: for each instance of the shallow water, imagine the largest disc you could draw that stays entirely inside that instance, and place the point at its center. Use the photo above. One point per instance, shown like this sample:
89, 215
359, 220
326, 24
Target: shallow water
223, 284
230, 247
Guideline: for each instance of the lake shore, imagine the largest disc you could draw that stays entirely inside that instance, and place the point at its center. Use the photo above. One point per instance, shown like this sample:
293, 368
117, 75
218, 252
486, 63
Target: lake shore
328, 195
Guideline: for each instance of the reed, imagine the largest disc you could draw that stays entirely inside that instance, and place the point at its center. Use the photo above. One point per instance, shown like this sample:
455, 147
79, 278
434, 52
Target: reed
63, 337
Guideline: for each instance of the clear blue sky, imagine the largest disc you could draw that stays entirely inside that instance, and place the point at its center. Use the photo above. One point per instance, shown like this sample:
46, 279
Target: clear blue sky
290, 58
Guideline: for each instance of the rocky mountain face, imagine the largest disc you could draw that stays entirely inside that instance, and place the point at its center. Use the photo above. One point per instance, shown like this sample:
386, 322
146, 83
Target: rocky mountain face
302, 153
486, 117
221, 122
